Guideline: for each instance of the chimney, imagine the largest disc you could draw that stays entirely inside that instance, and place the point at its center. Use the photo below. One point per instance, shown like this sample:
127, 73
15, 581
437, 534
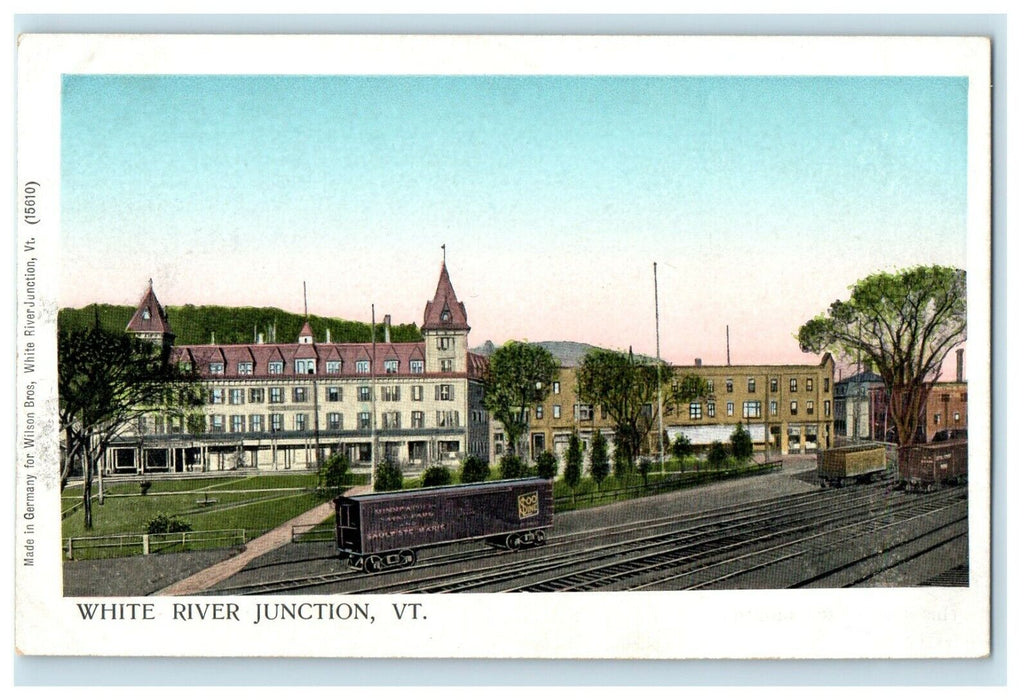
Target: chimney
260, 339
328, 335
960, 365
387, 321
699, 361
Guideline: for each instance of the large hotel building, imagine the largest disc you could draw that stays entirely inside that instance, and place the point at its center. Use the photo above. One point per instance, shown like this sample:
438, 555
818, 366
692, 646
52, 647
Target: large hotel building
275, 406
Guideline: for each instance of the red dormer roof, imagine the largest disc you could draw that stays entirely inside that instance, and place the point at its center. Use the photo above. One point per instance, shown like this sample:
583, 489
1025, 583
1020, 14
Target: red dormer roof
150, 316
445, 312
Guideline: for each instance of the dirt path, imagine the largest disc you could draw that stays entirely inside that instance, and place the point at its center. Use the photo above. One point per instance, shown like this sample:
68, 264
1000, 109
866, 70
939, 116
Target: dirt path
273, 539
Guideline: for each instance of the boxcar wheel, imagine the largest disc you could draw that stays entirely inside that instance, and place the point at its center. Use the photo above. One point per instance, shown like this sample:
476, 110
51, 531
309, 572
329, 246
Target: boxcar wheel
373, 564
408, 557
540, 537
513, 541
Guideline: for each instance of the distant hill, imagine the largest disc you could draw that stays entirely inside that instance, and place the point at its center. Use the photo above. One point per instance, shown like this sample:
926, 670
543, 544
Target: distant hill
195, 325
568, 353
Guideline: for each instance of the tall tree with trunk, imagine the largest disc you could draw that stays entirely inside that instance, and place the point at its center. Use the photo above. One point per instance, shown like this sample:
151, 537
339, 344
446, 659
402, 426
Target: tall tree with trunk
107, 381
905, 323
519, 376
627, 390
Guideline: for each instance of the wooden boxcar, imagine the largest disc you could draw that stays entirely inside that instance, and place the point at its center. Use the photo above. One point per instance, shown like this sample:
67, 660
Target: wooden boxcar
385, 530
926, 467
840, 466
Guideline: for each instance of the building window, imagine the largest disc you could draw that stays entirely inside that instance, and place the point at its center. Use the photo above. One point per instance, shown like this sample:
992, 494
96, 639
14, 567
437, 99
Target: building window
275, 395
275, 420
937, 418
334, 367
793, 385
216, 367
443, 342
751, 409
364, 420
444, 392
774, 385
245, 368
256, 423
584, 411
237, 424
392, 366
390, 420
417, 366
335, 421
810, 384
447, 419
217, 424
217, 395
827, 383
810, 408
772, 408
711, 409
695, 413
304, 366
710, 386
299, 394
417, 393
235, 396
391, 393
445, 365
793, 408
364, 393
256, 395
301, 421
539, 412
363, 366
556, 387
751, 385
729, 386
730, 408
333, 393
956, 416
276, 367
417, 419
556, 410
828, 408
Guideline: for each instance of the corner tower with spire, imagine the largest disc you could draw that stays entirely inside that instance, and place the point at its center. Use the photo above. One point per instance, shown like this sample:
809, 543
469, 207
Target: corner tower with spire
445, 329
150, 321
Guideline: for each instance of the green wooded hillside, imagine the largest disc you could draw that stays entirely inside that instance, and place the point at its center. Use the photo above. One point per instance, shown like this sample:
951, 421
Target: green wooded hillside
193, 325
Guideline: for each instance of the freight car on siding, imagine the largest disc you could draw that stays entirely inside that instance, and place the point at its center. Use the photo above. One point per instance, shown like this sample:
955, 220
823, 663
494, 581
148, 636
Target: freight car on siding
385, 530
842, 466
927, 467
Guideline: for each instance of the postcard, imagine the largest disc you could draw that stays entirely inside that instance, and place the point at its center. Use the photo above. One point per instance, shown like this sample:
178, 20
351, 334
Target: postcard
546, 347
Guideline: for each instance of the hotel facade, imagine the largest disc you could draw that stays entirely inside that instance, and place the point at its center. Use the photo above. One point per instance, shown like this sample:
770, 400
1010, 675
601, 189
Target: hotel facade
277, 406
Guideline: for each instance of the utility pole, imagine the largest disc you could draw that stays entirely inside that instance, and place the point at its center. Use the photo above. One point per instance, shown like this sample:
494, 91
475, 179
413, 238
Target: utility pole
660, 386
374, 408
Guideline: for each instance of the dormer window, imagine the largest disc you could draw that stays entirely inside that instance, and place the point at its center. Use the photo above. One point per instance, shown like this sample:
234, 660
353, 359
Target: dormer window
445, 316
146, 314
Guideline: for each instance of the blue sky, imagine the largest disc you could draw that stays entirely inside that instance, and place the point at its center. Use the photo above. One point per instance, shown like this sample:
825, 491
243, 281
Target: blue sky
761, 199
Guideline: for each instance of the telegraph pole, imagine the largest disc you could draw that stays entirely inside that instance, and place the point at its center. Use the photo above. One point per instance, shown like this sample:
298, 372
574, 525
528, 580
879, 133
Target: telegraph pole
374, 409
660, 385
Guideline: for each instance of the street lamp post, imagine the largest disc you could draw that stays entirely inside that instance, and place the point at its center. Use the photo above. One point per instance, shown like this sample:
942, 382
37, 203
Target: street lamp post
317, 431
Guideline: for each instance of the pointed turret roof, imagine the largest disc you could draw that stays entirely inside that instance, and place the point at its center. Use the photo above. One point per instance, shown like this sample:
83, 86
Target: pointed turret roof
445, 312
306, 332
150, 316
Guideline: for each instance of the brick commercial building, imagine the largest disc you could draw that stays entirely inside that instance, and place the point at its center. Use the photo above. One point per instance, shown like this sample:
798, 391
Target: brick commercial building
274, 406
786, 409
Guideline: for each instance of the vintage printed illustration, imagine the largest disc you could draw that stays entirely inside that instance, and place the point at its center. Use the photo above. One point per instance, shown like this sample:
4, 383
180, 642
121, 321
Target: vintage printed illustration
312, 328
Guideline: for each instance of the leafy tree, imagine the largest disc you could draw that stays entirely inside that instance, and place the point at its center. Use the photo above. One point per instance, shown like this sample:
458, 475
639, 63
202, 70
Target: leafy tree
107, 381
742, 443
599, 459
474, 469
628, 392
573, 463
622, 460
717, 455
161, 524
388, 476
519, 375
512, 467
645, 467
332, 475
546, 465
905, 324
681, 447
437, 475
